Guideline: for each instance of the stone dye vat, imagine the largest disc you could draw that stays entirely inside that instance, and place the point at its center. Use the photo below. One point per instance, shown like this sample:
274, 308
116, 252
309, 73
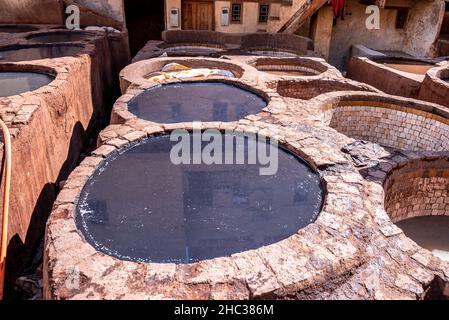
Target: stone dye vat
139, 206
296, 67
196, 101
13, 83
27, 53
420, 207
59, 37
392, 122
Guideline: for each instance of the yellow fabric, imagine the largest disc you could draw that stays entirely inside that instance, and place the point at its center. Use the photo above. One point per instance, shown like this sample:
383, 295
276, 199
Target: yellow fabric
178, 71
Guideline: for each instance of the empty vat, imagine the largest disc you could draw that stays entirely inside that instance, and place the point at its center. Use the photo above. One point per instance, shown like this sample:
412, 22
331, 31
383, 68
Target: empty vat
139, 206
195, 101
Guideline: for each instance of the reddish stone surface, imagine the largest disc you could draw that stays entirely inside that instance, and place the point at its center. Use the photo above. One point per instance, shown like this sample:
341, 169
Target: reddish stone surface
352, 251
435, 87
50, 127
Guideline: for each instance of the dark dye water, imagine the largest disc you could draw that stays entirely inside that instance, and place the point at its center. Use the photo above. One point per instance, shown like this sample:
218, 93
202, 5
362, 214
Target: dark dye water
16, 29
12, 83
430, 232
446, 79
197, 101
36, 53
140, 207
59, 37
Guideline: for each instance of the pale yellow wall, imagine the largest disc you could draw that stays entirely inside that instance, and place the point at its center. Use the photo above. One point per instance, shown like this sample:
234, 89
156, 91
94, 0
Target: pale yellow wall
425, 17
170, 4
249, 22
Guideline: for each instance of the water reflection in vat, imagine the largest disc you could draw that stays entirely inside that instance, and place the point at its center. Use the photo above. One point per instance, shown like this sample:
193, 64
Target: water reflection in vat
13, 83
198, 101
37, 53
141, 207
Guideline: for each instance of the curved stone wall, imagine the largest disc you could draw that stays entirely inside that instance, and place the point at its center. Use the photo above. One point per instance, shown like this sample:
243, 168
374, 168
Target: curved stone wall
306, 90
418, 188
401, 124
435, 87
300, 66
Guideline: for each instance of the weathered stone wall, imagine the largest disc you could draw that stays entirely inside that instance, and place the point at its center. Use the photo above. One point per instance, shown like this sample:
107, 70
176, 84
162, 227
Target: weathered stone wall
306, 66
423, 27
96, 12
31, 11
397, 126
50, 128
419, 188
417, 38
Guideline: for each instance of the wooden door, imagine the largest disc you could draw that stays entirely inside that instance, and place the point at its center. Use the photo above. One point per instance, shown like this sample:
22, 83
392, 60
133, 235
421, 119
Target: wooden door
197, 15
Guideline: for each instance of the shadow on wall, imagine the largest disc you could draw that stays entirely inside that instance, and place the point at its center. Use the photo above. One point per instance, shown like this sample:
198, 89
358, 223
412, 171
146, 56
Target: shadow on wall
144, 21
20, 253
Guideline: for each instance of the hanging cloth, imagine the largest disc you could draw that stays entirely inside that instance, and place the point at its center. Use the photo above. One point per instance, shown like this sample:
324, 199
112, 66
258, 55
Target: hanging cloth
338, 7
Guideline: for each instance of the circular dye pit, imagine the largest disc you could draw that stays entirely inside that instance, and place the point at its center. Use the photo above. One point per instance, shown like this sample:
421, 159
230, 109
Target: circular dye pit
293, 67
139, 206
16, 29
196, 101
12, 83
429, 232
37, 53
58, 37
417, 201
